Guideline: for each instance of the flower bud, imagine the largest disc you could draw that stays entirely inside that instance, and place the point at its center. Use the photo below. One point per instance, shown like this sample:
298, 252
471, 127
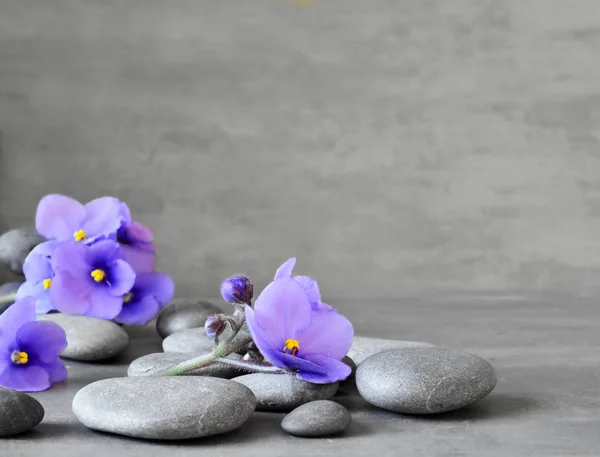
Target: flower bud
237, 289
215, 325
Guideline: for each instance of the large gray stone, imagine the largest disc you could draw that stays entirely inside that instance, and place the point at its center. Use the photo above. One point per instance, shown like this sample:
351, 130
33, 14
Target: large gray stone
317, 418
19, 412
15, 245
193, 340
364, 347
284, 392
164, 408
89, 339
154, 363
183, 314
8, 289
424, 380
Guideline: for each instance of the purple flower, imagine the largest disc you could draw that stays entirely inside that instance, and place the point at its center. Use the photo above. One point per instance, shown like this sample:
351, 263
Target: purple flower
62, 218
90, 280
150, 293
292, 335
237, 289
38, 274
310, 285
29, 350
215, 325
136, 241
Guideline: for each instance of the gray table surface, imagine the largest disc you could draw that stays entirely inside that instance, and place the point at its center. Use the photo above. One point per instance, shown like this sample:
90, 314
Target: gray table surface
546, 403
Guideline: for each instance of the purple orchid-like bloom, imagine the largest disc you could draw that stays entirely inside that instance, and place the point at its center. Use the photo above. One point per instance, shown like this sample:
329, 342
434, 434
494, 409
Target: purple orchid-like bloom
292, 335
62, 218
39, 274
310, 285
90, 280
29, 350
150, 293
136, 241
237, 289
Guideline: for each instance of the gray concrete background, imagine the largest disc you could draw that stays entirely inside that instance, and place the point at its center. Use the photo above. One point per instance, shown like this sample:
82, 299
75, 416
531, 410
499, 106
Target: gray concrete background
393, 146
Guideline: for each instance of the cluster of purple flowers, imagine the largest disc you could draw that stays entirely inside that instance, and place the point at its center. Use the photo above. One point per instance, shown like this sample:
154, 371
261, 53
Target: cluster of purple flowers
97, 262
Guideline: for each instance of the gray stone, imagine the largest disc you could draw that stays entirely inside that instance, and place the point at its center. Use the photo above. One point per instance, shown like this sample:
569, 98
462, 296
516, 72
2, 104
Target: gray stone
192, 340
424, 380
19, 412
89, 339
8, 289
348, 361
164, 408
154, 363
317, 418
284, 392
15, 245
363, 347
183, 314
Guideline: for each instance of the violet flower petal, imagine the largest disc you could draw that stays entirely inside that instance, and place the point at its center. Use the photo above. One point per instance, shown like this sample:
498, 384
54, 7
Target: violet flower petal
70, 257
17, 315
139, 312
42, 339
46, 248
331, 370
285, 270
312, 289
121, 278
330, 334
37, 268
69, 293
27, 378
103, 217
270, 345
103, 305
102, 253
159, 285
43, 303
141, 260
282, 309
56, 370
58, 217
124, 213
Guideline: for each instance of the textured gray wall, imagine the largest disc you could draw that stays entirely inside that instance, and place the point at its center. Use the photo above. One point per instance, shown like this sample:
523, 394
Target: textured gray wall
394, 147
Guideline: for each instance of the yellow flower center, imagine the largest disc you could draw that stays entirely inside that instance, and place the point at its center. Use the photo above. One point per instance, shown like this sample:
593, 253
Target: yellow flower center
127, 297
47, 283
79, 235
19, 357
291, 345
98, 275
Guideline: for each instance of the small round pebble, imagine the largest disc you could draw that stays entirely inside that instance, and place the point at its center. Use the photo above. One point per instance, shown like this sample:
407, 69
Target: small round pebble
424, 380
19, 412
154, 363
15, 245
183, 314
164, 407
364, 347
191, 340
284, 392
89, 339
317, 418
8, 289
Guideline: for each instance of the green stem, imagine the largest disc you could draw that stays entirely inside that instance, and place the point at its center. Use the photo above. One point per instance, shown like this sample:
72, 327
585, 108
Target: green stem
251, 366
203, 361
8, 299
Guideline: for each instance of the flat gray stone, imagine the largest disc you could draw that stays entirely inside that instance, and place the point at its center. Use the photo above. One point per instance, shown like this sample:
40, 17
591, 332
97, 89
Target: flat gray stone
424, 380
284, 392
317, 418
154, 363
15, 245
182, 314
364, 347
193, 340
89, 339
19, 412
164, 408
8, 289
